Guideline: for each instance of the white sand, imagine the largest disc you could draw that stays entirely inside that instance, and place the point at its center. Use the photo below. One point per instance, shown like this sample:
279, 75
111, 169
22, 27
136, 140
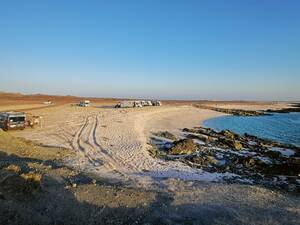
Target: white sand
114, 142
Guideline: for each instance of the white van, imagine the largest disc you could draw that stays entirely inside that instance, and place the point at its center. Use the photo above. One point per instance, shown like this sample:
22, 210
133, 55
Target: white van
85, 103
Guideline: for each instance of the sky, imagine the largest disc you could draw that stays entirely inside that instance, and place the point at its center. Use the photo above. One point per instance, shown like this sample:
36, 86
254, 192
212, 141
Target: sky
166, 49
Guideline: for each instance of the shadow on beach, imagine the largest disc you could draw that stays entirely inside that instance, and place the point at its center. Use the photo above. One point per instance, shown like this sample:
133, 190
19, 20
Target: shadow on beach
102, 203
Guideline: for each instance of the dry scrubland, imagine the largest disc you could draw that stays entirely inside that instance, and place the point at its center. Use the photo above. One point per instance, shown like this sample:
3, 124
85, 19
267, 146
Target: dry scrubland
92, 166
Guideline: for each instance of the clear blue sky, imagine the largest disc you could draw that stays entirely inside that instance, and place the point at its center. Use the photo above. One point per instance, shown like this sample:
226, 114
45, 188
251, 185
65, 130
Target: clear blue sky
243, 49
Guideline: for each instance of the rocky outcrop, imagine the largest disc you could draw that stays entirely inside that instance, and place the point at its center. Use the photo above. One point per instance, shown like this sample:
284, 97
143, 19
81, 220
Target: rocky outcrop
252, 159
184, 146
236, 112
295, 108
166, 134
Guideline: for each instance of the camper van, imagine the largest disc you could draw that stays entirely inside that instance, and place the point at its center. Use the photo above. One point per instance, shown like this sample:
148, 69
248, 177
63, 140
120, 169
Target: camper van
146, 103
85, 103
156, 103
12, 120
129, 104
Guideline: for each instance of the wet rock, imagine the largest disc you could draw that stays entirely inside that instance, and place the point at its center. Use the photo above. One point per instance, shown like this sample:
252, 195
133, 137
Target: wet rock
183, 146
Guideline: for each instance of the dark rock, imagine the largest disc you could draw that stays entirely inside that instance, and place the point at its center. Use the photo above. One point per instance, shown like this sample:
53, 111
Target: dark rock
273, 154
228, 134
249, 162
183, 146
236, 145
236, 112
166, 134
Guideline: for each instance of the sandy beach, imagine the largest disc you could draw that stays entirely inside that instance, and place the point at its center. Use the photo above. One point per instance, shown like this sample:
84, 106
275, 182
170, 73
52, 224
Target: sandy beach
112, 145
114, 142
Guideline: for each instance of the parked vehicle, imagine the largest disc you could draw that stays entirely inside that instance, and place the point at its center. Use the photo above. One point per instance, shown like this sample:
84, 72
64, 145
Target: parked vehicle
156, 103
146, 103
137, 104
129, 104
47, 102
85, 103
12, 120
125, 104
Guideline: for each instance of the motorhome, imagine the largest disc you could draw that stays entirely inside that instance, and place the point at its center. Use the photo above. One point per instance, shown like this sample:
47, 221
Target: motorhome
146, 103
12, 120
129, 104
156, 103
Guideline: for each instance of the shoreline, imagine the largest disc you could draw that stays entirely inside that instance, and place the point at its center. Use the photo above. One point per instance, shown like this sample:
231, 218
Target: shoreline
107, 140
110, 141
271, 136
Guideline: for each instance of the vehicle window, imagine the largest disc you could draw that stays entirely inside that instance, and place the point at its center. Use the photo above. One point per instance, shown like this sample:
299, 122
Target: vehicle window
17, 119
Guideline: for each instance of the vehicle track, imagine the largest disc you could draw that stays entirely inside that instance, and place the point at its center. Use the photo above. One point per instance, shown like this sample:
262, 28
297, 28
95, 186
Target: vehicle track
108, 152
86, 142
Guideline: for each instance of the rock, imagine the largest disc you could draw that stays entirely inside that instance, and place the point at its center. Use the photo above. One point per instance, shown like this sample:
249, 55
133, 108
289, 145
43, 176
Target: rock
13, 168
228, 134
288, 168
236, 145
155, 152
202, 137
166, 134
212, 160
2, 196
237, 112
273, 154
249, 162
183, 146
198, 160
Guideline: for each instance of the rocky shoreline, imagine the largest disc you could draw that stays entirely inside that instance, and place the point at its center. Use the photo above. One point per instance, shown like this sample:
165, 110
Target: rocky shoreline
295, 108
235, 112
250, 159
241, 112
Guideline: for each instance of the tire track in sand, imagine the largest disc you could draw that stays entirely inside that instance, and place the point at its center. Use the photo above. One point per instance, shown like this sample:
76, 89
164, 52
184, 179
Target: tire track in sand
85, 141
107, 153
77, 143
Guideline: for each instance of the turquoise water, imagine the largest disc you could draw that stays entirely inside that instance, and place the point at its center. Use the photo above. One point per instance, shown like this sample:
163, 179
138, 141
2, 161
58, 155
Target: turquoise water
282, 127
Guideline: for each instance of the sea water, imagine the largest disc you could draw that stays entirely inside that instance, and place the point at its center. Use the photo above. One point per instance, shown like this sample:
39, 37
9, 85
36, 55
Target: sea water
281, 127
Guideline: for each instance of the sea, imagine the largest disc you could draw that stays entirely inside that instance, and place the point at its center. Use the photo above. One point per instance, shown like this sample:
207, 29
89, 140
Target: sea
281, 127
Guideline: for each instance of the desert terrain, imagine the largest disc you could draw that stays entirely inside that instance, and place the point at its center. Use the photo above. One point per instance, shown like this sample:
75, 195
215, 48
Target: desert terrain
96, 160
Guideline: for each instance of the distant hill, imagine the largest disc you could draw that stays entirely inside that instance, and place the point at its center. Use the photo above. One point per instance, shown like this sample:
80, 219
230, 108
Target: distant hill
18, 98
